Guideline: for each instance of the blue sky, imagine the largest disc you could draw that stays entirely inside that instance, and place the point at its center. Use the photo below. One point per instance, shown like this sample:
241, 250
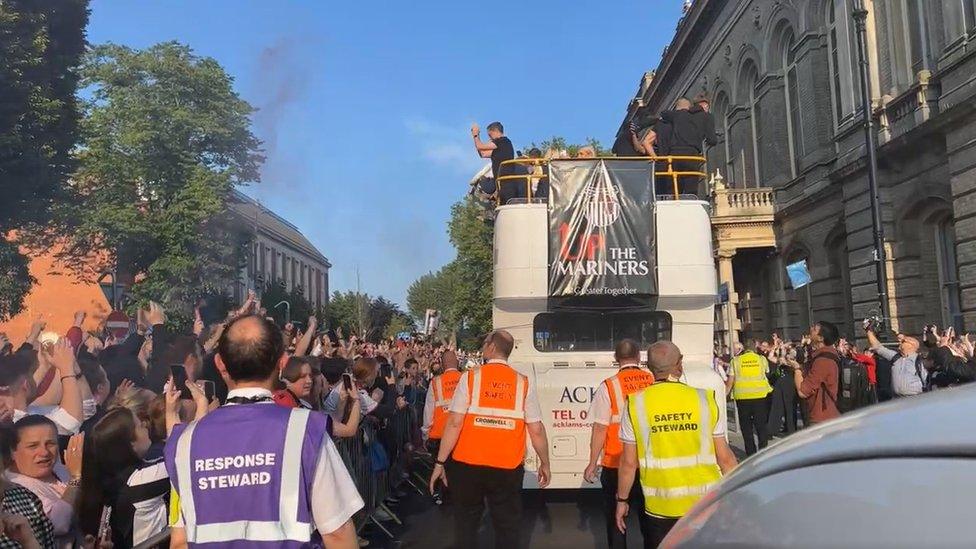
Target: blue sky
365, 106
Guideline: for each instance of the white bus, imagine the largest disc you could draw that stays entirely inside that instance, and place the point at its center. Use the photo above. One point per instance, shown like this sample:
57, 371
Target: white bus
567, 354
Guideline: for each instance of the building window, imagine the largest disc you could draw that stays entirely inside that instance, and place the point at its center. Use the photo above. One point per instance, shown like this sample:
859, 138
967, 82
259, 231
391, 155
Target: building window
793, 121
958, 16
945, 240
719, 154
845, 86
747, 162
909, 41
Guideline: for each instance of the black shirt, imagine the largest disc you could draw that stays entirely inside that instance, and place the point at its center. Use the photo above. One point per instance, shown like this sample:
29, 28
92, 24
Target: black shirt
503, 151
689, 128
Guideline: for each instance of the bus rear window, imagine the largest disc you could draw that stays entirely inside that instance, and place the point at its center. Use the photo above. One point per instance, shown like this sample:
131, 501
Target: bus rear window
579, 332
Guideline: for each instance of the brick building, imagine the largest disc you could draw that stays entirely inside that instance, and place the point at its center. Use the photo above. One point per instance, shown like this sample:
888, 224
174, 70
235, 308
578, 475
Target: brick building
279, 251
783, 78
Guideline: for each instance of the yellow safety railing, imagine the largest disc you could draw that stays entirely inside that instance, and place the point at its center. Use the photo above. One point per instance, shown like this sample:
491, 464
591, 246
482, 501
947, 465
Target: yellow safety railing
659, 160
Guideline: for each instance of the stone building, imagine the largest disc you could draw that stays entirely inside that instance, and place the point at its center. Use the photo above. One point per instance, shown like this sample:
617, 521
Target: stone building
279, 252
783, 77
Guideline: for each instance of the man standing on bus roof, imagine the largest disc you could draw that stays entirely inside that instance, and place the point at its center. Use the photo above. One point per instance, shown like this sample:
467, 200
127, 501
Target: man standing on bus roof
609, 403
499, 149
672, 434
492, 410
750, 389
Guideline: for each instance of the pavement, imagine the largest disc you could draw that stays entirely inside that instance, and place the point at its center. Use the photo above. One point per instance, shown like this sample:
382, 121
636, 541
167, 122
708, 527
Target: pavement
558, 519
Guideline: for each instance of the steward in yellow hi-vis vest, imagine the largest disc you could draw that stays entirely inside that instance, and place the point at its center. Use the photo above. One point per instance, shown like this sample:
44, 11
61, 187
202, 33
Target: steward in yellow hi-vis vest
673, 425
672, 436
750, 389
750, 369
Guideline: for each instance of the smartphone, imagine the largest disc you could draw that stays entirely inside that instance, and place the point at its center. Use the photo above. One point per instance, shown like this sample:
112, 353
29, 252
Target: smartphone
347, 381
179, 380
209, 389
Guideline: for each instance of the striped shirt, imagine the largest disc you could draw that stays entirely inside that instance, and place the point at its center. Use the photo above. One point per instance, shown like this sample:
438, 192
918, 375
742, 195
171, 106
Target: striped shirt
139, 510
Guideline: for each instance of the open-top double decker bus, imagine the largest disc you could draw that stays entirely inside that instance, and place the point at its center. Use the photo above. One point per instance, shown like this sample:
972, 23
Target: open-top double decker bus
601, 259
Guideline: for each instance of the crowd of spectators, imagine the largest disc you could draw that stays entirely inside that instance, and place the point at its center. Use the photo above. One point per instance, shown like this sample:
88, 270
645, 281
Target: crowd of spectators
822, 375
84, 418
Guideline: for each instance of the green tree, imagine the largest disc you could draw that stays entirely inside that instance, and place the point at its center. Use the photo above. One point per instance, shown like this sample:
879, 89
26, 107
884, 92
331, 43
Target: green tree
299, 307
558, 143
434, 291
472, 269
367, 317
165, 140
42, 42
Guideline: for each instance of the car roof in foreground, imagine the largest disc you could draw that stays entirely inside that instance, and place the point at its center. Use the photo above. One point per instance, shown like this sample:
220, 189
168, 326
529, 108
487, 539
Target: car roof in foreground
936, 424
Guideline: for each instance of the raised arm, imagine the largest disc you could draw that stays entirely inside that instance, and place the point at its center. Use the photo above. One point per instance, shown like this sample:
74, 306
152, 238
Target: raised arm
301, 348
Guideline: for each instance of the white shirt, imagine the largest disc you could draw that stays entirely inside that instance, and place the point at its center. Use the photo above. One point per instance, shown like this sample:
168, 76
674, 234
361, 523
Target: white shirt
333, 498
460, 403
67, 423
331, 404
627, 427
428, 412
600, 410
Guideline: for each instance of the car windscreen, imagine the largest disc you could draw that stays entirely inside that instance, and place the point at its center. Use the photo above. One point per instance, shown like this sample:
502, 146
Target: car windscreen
591, 331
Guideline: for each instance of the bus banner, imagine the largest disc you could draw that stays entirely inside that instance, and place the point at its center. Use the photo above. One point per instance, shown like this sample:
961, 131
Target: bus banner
601, 229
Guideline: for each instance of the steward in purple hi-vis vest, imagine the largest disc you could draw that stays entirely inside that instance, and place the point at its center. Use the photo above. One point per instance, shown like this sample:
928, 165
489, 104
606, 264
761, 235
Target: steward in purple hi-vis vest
244, 474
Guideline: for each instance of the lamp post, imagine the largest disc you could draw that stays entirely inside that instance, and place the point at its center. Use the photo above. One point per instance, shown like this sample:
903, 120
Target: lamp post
287, 310
860, 15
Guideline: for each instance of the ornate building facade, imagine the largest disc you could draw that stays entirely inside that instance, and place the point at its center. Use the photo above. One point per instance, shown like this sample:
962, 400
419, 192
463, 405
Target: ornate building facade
783, 76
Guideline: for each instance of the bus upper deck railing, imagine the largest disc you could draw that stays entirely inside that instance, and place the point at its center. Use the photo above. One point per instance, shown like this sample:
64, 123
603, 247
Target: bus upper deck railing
536, 176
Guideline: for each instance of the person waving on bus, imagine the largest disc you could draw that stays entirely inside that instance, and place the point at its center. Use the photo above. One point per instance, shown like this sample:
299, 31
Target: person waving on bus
609, 403
492, 411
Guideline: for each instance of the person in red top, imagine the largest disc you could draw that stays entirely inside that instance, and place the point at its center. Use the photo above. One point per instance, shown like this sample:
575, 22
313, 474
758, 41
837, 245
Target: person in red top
816, 384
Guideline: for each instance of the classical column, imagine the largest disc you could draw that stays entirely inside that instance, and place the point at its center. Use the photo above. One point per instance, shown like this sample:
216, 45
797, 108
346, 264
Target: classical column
730, 315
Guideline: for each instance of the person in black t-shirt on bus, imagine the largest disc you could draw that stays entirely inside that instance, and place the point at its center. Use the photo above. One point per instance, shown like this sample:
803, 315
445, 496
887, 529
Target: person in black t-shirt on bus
499, 149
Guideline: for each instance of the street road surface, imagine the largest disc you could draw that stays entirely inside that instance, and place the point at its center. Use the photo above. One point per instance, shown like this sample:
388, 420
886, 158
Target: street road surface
558, 519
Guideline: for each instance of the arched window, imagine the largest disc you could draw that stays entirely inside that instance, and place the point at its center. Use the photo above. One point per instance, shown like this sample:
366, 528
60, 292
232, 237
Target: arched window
845, 86
792, 88
718, 156
750, 138
958, 16
945, 248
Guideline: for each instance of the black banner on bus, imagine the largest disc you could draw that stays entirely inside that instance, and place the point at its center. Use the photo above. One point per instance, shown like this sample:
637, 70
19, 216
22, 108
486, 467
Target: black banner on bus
601, 229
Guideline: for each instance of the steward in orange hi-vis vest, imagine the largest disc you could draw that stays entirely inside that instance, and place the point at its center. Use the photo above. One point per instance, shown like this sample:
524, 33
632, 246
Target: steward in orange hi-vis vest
493, 434
443, 388
624, 383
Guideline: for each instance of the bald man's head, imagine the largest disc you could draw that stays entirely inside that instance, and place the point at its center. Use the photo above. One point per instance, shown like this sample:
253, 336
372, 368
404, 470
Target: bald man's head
664, 360
449, 361
682, 104
250, 349
498, 344
626, 352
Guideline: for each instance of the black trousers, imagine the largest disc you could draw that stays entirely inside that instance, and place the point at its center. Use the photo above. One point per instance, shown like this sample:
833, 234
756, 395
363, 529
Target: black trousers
753, 417
658, 528
608, 479
471, 487
688, 184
